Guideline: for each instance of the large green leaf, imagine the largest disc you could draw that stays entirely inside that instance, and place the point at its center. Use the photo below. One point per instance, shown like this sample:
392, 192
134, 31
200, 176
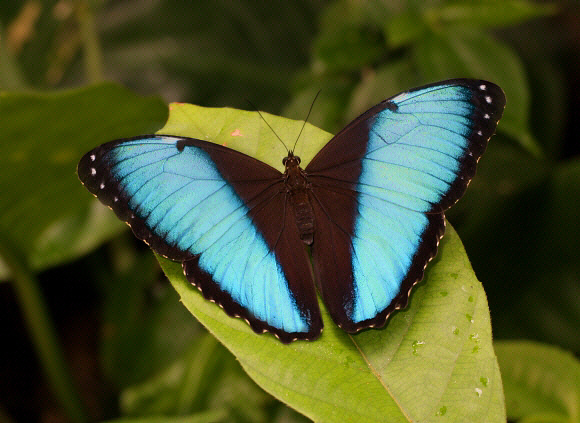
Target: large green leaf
542, 382
43, 206
433, 361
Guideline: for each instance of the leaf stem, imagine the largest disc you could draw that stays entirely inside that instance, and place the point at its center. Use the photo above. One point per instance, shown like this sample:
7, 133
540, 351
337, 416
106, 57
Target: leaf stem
41, 329
93, 56
11, 77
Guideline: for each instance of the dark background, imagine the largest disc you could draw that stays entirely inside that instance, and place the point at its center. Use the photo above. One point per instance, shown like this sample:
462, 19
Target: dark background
518, 221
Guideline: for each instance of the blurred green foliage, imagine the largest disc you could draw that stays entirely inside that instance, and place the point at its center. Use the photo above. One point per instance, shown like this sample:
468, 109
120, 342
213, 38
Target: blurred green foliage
518, 220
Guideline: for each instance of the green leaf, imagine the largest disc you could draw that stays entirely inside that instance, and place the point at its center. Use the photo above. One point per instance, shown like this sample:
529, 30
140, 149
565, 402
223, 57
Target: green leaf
563, 225
408, 26
377, 85
511, 193
329, 109
504, 174
145, 329
549, 308
246, 132
459, 52
347, 39
542, 382
434, 361
489, 13
249, 50
549, 107
44, 206
404, 28
182, 388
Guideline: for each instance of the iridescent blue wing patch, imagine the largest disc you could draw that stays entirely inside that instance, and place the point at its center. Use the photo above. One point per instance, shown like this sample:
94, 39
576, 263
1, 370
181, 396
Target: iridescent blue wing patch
219, 212
393, 171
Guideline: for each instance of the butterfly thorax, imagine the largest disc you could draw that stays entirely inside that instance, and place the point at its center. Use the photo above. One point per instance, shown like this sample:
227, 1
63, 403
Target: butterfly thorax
297, 187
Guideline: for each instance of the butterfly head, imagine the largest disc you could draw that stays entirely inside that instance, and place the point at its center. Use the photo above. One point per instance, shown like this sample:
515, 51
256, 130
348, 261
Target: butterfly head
291, 160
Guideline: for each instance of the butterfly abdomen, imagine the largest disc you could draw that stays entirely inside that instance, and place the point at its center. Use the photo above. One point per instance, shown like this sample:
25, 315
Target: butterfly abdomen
304, 215
297, 188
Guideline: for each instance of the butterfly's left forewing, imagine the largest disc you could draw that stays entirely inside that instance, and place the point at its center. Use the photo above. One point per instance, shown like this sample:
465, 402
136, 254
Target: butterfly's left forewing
381, 186
221, 213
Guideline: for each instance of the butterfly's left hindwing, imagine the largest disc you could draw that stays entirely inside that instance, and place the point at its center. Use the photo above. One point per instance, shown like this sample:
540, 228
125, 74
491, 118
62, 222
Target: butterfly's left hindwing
395, 169
184, 198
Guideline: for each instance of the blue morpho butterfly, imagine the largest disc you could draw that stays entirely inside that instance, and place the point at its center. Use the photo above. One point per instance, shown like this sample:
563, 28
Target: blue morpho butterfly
370, 204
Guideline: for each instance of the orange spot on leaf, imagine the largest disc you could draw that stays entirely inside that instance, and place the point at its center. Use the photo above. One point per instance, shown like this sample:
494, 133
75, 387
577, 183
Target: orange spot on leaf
237, 133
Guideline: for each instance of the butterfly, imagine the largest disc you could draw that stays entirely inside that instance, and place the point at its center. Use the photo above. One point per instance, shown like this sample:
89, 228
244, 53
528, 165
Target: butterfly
369, 205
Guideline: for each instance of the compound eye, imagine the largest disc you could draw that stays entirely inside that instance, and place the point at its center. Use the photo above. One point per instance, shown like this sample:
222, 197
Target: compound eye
284, 160
297, 159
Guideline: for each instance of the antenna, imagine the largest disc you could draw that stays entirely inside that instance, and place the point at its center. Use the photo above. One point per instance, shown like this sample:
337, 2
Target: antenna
305, 120
301, 129
266, 122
